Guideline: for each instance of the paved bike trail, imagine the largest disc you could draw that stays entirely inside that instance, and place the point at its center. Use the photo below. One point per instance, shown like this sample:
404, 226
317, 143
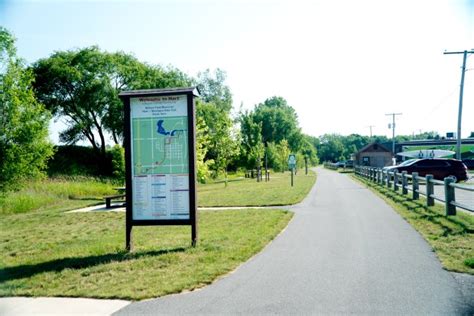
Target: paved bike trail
345, 251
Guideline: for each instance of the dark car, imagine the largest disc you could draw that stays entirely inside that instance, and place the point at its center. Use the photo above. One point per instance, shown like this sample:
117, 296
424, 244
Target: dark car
349, 164
340, 164
438, 167
469, 163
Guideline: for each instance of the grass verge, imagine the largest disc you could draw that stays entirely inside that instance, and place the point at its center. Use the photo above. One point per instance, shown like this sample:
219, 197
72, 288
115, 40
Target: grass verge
249, 192
52, 253
451, 237
56, 193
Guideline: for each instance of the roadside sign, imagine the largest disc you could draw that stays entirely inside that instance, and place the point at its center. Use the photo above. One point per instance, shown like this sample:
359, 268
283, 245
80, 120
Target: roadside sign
291, 161
160, 158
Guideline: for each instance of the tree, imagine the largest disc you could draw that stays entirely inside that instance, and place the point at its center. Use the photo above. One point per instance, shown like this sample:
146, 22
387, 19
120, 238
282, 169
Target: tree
213, 90
331, 148
224, 143
202, 145
24, 145
83, 86
252, 141
279, 121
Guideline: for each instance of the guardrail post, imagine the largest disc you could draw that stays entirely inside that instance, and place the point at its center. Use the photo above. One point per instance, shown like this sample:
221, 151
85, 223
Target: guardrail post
389, 177
395, 181
383, 177
379, 176
374, 174
416, 194
404, 182
449, 196
429, 190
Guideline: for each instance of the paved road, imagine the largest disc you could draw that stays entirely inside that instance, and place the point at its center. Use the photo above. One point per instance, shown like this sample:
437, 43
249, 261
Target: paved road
345, 251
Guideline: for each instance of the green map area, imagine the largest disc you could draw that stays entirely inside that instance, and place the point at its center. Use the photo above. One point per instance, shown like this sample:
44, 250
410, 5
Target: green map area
160, 146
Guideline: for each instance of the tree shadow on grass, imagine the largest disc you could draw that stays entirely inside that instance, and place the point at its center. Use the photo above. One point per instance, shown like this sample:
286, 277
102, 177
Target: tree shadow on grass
28, 270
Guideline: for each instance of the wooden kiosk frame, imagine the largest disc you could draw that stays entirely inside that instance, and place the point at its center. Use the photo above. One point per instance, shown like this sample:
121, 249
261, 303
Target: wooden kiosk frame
126, 96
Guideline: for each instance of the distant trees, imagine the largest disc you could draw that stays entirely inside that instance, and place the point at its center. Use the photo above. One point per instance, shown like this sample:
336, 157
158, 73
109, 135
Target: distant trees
213, 109
82, 85
272, 128
24, 145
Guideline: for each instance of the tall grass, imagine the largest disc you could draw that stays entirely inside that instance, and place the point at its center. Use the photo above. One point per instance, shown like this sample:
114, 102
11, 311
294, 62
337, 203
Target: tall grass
43, 194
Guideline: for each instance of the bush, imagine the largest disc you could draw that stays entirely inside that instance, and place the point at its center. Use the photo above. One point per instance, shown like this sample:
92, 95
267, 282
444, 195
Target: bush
75, 160
118, 162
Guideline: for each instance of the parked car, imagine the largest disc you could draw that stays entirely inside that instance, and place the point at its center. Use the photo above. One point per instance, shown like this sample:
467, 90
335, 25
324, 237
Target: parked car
438, 167
340, 164
469, 163
349, 164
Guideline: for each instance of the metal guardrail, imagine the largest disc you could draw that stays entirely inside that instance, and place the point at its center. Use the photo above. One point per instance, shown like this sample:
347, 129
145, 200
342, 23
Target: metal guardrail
397, 181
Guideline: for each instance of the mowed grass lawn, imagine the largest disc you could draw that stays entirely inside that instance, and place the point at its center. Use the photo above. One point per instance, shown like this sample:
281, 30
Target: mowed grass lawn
47, 251
249, 192
54, 253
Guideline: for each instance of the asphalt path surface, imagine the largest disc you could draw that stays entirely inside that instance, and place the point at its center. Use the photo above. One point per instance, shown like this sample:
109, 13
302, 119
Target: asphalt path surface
345, 251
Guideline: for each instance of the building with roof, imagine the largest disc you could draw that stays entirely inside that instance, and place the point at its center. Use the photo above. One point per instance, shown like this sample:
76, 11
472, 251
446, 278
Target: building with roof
374, 155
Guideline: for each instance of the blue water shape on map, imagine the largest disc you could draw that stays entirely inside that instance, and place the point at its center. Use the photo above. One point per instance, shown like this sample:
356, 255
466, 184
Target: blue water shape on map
162, 131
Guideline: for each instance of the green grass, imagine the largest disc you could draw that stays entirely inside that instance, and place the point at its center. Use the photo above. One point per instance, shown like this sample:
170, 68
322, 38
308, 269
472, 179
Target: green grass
451, 237
249, 192
54, 253
82, 191
56, 193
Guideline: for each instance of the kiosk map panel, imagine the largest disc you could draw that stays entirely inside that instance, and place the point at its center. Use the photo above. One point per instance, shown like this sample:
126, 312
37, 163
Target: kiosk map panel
160, 157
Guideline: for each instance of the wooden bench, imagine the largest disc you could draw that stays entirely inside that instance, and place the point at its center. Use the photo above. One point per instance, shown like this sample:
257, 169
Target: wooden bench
109, 198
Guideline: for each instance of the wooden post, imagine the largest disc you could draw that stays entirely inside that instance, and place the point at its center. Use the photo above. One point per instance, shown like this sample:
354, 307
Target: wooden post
395, 181
429, 190
404, 182
449, 196
415, 188
128, 238
306, 165
292, 176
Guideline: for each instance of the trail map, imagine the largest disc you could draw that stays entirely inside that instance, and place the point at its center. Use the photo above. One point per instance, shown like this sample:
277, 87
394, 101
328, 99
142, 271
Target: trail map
160, 145
160, 157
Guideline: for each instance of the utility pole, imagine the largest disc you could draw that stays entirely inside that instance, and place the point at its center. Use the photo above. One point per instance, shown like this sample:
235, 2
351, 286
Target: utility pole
461, 91
370, 126
393, 130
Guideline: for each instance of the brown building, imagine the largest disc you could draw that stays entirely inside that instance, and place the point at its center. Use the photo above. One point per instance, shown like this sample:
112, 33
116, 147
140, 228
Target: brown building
374, 155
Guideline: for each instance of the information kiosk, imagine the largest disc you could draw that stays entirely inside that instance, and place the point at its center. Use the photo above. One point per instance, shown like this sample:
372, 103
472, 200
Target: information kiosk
160, 157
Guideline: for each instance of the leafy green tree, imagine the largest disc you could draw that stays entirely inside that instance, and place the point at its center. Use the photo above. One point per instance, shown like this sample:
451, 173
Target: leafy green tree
118, 162
279, 121
331, 148
309, 151
284, 152
213, 89
82, 85
202, 145
224, 143
24, 145
252, 140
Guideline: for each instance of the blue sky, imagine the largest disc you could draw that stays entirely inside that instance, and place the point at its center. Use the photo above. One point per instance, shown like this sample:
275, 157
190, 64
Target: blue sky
341, 64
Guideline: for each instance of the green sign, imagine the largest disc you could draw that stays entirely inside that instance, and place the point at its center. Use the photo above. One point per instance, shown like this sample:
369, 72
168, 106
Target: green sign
160, 158
291, 161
